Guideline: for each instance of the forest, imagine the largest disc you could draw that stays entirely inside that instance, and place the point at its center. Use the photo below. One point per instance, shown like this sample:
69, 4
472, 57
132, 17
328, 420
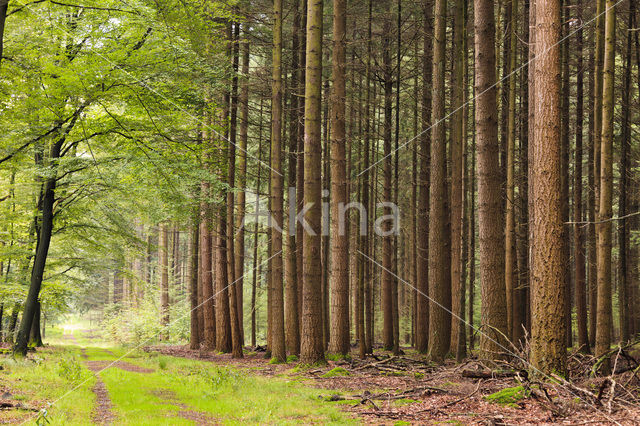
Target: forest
315, 211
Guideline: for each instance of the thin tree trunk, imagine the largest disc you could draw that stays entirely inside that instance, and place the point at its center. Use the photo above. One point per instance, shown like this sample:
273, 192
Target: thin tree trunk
578, 230
292, 321
242, 183
163, 266
339, 336
387, 238
511, 273
194, 335
457, 171
422, 243
604, 227
624, 286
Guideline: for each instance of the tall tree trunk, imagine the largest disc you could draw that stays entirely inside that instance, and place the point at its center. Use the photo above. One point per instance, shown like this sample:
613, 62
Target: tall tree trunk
277, 307
457, 206
548, 345
624, 286
422, 244
163, 266
494, 314
194, 335
439, 280
292, 321
35, 336
596, 138
242, 183
578, 228
604, 226
312, 348
387, 238
205, 264
339, 336
511, 273
44, 230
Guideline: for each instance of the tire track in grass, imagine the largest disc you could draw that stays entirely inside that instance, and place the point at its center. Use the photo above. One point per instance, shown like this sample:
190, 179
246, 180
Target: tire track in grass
103, 412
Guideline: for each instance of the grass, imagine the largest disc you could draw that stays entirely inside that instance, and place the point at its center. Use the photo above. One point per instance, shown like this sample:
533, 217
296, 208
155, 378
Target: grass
35, 383
220, 394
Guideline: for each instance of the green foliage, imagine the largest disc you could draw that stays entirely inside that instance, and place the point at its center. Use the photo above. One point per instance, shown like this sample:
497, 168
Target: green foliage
292, 358
70, 369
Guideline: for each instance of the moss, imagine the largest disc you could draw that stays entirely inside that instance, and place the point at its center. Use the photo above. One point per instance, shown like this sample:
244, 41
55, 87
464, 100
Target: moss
405, 401
336, 372
338, 357
292, 358
401, 423
418, 375
395, 373
508, 396
274, 361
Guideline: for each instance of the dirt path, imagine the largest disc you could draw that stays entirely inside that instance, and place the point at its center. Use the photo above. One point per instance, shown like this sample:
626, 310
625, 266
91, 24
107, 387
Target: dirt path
199, 417
103, 414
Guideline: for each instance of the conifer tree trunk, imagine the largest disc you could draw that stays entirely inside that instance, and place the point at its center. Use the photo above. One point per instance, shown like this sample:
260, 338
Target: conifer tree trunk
312, 348
387, 239
624, 285
548, 344
422, 243
206, 250
194, 335
511, 273
163, 266
457, 140
339, 336
439, 280
242, 183
494, 314
578, 230
277, 307
292, 321
596, 148
604, 226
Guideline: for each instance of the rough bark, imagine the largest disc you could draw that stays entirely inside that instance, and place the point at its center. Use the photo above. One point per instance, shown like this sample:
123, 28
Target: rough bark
439, 280
339, 336
490, 221
548, 349
312, 349
604, 318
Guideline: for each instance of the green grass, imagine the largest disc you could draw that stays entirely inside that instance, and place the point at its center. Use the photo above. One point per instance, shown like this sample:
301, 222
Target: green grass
55, 372
222, 394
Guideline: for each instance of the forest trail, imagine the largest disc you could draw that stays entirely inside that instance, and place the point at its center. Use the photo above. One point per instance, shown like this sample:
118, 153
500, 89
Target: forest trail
92, 381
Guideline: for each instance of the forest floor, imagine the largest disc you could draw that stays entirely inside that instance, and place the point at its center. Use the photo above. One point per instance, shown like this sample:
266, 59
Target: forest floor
81, 379
397, 390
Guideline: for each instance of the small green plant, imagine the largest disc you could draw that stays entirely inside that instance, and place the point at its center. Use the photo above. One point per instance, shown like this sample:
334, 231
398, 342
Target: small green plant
292, 358
336, 372
418, 375
508, 396
274, 361
162, 362
70, 369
